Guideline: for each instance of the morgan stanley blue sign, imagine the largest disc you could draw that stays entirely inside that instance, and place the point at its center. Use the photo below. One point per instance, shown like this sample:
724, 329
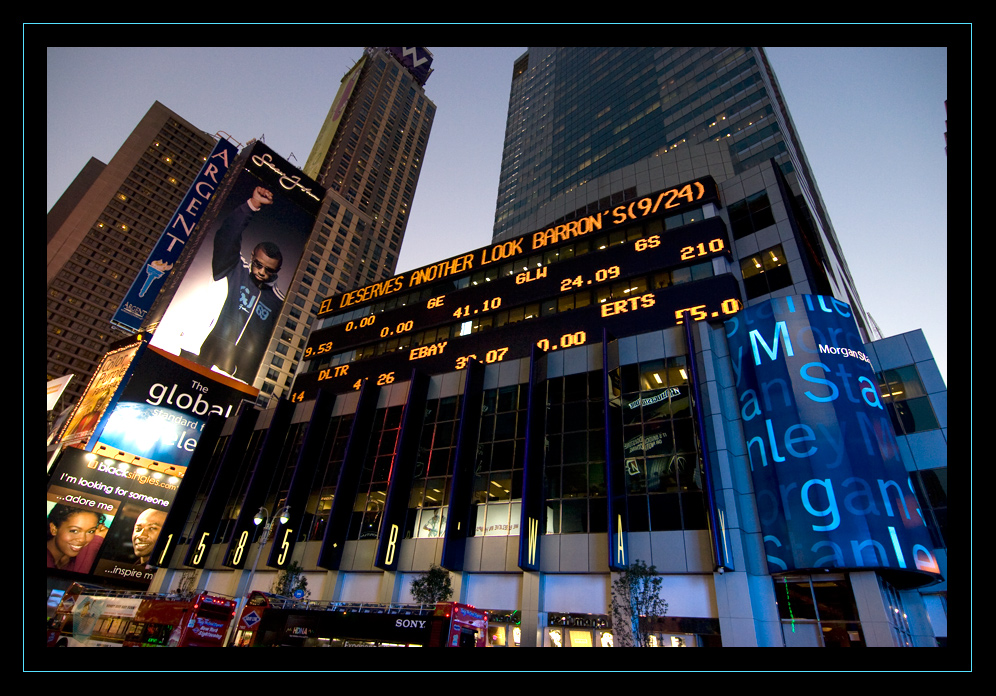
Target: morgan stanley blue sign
149, 282
830, 484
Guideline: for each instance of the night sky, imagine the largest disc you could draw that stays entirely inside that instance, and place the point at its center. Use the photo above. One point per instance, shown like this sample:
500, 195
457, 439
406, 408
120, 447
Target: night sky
872, 122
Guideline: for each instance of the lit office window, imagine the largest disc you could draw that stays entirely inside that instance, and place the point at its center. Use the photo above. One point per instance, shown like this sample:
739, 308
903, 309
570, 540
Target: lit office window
663, 470
428, 504
765, 271
906, 399
898, 620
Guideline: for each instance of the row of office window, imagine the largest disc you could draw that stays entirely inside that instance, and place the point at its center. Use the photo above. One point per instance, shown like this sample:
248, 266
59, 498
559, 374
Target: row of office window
662, 477
820, 611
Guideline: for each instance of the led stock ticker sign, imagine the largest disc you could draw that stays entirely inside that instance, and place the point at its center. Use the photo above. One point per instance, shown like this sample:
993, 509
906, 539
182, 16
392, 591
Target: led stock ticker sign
712, 297
692, 193
596, 270
626, 288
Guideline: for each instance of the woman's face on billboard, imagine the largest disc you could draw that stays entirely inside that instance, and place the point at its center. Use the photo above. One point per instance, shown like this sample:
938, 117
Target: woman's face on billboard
75, 532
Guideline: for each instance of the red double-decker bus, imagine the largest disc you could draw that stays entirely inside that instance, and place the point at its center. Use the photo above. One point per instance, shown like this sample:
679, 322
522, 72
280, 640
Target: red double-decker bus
95, 617
461, 626
271, 620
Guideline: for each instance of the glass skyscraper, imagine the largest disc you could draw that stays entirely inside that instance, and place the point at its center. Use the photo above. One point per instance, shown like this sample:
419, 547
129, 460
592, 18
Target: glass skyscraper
580, 117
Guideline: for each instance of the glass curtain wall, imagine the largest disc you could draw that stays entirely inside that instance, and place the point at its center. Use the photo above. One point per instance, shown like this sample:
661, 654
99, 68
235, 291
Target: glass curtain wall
818, 612
326, 478
663, 468
574, 470
433, 475
500, 457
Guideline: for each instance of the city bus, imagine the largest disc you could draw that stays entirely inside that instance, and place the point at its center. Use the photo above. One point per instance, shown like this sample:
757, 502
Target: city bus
95, 617
270, 620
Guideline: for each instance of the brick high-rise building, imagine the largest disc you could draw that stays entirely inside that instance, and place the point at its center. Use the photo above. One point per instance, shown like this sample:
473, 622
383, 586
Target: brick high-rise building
101, 232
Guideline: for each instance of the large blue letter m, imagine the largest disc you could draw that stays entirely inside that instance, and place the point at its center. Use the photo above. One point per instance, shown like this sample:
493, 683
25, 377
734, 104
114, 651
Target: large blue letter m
772, 351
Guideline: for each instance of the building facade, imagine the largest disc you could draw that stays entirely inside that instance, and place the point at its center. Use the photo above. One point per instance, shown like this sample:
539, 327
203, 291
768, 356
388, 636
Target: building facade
539, 414
100, 241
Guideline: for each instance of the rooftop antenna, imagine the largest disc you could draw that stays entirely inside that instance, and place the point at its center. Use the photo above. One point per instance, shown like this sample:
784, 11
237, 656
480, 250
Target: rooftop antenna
876, 332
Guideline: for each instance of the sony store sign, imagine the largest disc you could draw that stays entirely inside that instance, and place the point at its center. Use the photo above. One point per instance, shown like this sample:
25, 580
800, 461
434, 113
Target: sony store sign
830, 484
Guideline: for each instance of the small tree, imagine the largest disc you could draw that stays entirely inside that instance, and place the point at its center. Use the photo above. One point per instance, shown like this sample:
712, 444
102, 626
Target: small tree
432, 586
290, 580
635, 593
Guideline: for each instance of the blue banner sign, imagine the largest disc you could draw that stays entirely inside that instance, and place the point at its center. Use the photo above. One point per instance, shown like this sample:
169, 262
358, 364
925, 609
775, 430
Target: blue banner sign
830, 484
149, 282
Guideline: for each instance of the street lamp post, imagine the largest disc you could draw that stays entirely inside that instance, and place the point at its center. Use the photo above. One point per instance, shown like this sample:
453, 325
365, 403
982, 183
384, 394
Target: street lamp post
263, 515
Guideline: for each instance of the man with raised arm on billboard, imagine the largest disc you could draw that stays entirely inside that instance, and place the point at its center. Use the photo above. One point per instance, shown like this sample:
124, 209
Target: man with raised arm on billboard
240, 334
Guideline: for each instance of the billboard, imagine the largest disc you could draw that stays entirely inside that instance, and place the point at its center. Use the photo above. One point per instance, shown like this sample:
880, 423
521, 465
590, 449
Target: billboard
99, 395
104, 517
148, 406
830, 484
147, 285
107, 506
55, 389
162, 409
226, 307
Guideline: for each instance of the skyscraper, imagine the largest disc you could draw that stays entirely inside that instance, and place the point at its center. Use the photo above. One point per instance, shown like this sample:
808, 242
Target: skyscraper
100, 241
368, 156
590, 126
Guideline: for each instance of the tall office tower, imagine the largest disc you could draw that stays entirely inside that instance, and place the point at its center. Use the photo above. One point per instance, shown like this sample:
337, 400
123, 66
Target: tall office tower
588, 127
99, 241
369, 156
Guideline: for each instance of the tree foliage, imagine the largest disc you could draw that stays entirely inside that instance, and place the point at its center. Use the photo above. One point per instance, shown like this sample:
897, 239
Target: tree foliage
290, 580
636, 593
432, 586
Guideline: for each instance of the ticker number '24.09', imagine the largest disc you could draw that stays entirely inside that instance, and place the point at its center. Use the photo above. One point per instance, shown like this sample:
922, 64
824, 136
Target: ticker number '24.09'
623, 285
711, 299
